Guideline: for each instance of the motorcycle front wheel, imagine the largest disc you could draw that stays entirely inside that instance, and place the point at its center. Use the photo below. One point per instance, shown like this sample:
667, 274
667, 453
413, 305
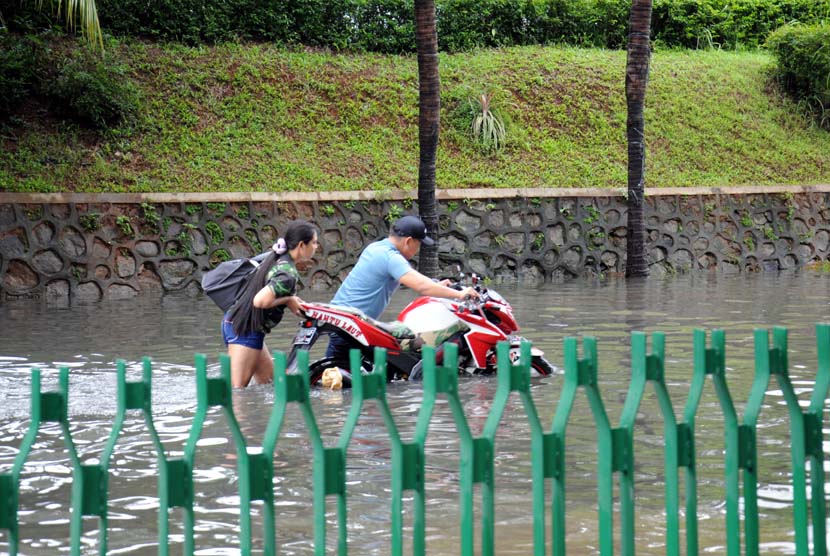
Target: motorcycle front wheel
541, 366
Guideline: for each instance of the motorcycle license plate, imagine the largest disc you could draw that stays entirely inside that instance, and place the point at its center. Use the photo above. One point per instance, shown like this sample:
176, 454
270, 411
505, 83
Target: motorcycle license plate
304, 336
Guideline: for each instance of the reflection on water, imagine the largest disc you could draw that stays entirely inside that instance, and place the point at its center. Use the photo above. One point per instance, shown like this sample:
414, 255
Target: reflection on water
88, 339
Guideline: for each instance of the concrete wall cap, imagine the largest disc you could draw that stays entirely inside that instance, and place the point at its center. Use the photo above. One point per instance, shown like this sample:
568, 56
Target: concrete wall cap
395, 195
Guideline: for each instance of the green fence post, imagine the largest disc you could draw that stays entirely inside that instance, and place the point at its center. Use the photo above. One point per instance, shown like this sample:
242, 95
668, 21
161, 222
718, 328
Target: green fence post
54, 407
623, 437
287, 389
646, 368
711, 361
47, 407
556, 445
748, 444
686, 441
211, 392
582, 373
172, 489
775, 362
11, 482
512, 378
92, 498
442, 379
655, 373
803, 430
328, 468
814, 444
366, 387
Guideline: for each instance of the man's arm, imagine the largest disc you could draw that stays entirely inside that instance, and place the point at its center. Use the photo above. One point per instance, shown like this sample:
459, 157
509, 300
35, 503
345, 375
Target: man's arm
424, 286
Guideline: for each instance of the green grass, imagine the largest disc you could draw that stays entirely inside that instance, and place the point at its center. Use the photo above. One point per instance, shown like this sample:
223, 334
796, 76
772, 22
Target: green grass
261, 118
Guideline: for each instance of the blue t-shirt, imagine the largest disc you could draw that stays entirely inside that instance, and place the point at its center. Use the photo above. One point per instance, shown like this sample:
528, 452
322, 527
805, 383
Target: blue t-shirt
373, 279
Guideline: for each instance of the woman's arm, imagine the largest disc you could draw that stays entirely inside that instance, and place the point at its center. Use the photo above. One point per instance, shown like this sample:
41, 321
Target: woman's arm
265, 299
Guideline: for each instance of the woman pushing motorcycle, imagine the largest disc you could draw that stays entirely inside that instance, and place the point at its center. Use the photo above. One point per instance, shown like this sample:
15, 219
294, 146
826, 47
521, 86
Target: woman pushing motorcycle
262, 303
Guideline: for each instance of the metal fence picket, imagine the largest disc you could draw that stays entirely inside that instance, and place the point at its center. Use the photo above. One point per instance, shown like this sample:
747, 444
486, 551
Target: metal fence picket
769, 362
442, 379
212, 392
646, 368
328, 471
91, 499
814, 445
582, 373
712, 362
512, 378
46, 407
368, 387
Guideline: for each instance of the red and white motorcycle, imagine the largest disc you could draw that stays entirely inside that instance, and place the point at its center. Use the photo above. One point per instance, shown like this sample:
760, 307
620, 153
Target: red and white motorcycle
476, 326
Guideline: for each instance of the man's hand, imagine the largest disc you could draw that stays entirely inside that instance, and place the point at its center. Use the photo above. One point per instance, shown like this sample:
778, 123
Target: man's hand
468, 293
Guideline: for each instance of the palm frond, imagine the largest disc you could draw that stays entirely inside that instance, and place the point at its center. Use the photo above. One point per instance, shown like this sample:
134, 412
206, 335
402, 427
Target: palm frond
85, 13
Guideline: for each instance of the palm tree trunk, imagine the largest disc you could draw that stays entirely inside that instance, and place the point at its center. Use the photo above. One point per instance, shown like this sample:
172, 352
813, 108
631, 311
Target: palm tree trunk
429, 105
636, 80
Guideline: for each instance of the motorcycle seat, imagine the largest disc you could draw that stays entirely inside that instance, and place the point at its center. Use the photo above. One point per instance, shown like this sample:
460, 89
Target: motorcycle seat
396, 328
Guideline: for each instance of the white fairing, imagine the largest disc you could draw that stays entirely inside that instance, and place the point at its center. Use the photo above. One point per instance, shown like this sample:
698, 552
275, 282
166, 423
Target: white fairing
430, 317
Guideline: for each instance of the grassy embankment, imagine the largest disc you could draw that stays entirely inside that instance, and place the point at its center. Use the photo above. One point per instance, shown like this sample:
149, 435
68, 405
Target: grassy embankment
259, 118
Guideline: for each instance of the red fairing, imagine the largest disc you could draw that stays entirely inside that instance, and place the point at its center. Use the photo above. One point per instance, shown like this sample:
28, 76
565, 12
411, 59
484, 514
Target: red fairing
481, 337
508, 323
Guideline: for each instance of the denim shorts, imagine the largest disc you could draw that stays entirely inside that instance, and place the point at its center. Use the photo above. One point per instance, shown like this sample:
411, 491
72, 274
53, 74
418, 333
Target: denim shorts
254, 340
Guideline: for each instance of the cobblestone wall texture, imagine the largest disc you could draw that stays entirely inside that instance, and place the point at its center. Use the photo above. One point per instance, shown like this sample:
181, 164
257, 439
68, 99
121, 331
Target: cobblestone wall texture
87, 251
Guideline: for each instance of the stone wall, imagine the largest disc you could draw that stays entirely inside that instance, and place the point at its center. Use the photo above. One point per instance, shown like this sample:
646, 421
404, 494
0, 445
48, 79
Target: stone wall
67, 247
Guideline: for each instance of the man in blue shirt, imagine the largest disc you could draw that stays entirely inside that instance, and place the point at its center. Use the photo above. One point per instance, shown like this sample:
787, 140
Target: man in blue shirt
382, 267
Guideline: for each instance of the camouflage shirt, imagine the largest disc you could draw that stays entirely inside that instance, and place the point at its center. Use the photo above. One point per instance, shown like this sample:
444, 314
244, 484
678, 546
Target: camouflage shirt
282, 279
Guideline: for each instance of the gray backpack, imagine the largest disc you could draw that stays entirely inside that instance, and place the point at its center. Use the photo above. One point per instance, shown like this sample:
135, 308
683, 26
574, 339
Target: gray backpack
225, 283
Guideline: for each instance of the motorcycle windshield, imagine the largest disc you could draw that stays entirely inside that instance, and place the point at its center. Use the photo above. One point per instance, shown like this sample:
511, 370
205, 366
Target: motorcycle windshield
493, 295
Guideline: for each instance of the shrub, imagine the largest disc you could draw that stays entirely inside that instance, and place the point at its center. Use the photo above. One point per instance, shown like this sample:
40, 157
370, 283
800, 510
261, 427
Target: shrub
384, 26
93, 91
802, 54
388, 26
728, 23
20, 60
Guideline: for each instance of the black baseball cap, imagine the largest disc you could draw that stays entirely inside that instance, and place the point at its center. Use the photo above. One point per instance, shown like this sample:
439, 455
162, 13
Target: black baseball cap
412, 226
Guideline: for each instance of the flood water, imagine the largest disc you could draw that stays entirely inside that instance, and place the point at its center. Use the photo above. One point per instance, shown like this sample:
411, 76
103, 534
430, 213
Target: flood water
89, 338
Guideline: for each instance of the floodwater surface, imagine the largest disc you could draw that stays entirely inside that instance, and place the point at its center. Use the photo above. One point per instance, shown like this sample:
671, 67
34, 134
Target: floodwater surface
89, 338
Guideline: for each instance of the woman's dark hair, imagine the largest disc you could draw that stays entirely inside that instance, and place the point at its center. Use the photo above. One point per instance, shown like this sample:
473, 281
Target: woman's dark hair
245, 317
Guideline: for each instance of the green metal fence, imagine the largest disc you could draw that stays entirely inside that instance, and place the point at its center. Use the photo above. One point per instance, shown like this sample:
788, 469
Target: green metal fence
615, 446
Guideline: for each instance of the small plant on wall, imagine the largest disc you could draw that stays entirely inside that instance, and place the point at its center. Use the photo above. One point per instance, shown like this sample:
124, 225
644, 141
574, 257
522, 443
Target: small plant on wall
123, 223
151, 216
90, 221
395, 212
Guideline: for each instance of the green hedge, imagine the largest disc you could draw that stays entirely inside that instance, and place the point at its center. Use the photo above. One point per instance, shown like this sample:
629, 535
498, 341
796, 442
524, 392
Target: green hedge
802, 53
387, 25
76, 84
21, 60
729, 23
